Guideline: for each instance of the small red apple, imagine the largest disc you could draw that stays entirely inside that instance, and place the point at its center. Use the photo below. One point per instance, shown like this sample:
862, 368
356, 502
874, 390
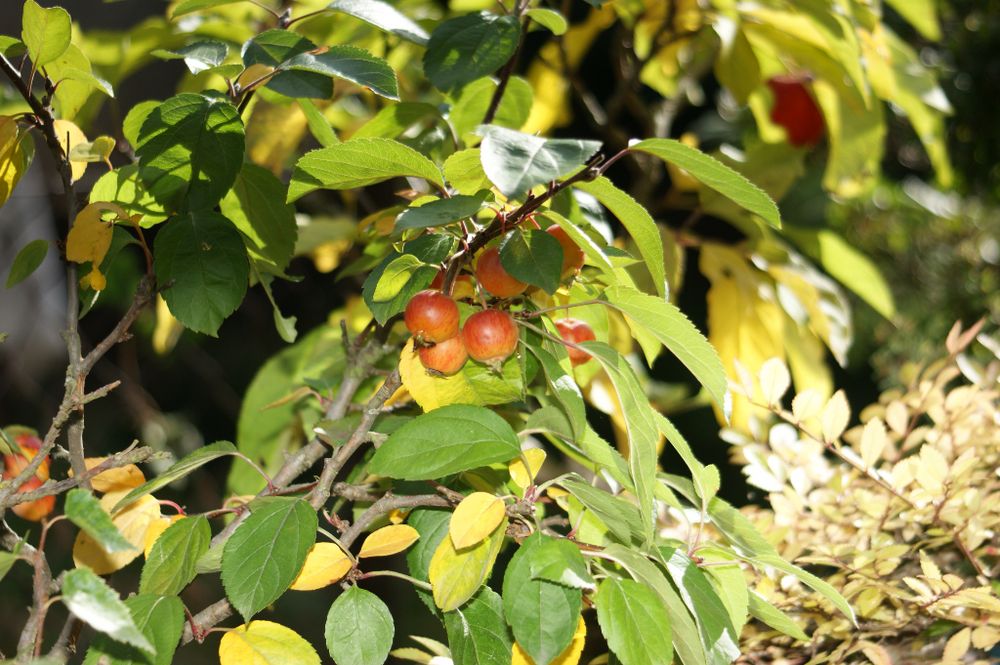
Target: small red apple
431, 316
490, 336
576, 331
14, 464
572, 254
494, 278
796, 110
446, 358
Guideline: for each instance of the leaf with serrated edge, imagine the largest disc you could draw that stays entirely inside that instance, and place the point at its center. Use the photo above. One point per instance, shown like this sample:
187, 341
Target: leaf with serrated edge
634, 623
86, 512
183, 467
132, 523
475, 518
95, 603
456, 575
325, 564
359, 628
170, 565
265, 643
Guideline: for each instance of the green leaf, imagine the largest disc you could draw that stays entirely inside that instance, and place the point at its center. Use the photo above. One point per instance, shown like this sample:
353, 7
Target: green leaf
275, 48
7, 560
639, 424
565, 390
445, 441
559, 560
72, 93
921, 14
95, 603
714, 174
477, 633
181, 468
383, 16
11, 46
718, 635
200, 258
351, 64
197, 56
440, 212
764, 611
634, 623
637, 222
432, 525
621, 517
256, 206
516, 162
189, 6
359, 628
263, 557
680, 444
395, 119
134, 119
190, 150
456, 575
46, 32
813, 582
470, 108
534, 257
85, 511
27, 261
464, 171
357, 163
542, 615
684, 632
551, 20
396, 276
170, 565
161, 620
465, 48
675, 331
319, 126
737, 67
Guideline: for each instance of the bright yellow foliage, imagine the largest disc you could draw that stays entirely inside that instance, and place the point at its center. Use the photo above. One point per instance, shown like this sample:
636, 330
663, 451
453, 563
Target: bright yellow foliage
265, 643
325, 564
475, 518
132, 521
388, 540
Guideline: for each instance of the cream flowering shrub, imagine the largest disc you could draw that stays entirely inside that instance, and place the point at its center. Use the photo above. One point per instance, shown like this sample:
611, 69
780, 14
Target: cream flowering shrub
900, 513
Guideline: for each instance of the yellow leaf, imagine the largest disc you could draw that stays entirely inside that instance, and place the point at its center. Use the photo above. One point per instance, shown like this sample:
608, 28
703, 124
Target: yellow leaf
873, 441
569, 656
113, 480
475, 518
456, 575
525, 476
155, 530
273, 133
167, 330
132, 521
388, 540
472, 385
98, 150
265, 643
70, 136
957, 646
774, 380
325, 564
15, 154
90, 239
835, 417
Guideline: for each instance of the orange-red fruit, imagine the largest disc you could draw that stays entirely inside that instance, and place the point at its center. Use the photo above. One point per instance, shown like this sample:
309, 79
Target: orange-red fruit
492, 276
447, 357
14, 464
431, 316
572, 254
490, 336
575, 331
796, 110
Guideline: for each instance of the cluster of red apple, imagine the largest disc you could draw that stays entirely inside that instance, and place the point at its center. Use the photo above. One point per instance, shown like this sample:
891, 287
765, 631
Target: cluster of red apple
13, 464
490, 335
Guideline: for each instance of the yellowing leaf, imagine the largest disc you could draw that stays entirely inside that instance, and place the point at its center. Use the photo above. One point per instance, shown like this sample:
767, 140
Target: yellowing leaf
132, 523
265, 643
835, 417
957, 646
525, 476
474, 384
475, 518
90, 239
873, 441
456, 575
569, 656
70, 136
774, 380
168, 329
114, 480
155, 530
273, 133
98, 150
388, 540
15, 156
325, 564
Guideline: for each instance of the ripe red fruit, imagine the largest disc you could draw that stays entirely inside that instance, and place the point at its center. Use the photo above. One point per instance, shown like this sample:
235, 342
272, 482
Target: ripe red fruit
576, 331
572, 254
447, 357
490, 336
14, 464
492, 276
431, 316
796, 110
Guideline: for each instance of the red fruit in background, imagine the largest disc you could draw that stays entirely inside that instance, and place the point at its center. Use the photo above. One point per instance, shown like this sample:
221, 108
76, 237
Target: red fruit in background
15, 464
492, 276
796, 110
576, 331
572, 254
490, 336
447, 357
431, 316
